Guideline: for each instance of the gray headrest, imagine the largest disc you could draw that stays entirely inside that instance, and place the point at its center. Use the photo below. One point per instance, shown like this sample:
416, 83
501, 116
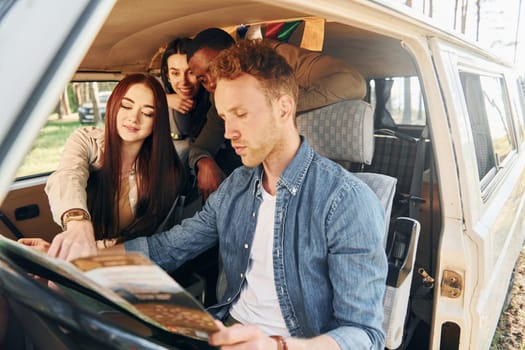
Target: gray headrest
341, 131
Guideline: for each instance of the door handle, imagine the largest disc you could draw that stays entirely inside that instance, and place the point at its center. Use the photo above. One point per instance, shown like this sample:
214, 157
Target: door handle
27, 212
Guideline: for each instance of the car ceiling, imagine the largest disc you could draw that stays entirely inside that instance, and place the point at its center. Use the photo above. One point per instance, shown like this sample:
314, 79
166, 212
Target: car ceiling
136, 29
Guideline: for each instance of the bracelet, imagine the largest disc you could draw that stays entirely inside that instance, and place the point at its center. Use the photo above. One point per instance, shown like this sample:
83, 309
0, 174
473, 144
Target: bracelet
75, 214
281, 343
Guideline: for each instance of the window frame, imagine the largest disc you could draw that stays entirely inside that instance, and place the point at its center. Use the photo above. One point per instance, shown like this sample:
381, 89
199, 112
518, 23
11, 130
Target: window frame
493, 177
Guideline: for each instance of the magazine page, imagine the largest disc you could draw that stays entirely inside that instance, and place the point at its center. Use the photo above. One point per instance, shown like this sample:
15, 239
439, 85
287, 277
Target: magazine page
17, 251
123, 280
151, 291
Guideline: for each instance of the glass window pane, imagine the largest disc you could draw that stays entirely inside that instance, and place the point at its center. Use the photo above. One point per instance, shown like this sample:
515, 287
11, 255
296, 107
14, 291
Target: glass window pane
498, 116
401, 97
406, 102
75, 108
489, 114
520, 108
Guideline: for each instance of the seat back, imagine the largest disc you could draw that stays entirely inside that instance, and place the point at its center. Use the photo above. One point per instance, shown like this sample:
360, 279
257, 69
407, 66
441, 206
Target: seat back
403, 157
344, 132
384, 187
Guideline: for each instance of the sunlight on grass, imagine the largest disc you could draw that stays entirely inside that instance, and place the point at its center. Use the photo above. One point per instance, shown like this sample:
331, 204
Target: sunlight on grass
45, 153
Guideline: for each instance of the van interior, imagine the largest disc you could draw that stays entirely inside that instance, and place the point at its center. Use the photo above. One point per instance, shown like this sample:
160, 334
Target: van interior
132, 39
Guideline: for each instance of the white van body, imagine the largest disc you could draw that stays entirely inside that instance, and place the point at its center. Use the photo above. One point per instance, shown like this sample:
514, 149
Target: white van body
477, 216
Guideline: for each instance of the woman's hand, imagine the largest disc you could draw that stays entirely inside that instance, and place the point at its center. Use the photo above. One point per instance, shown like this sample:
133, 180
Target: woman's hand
76, 242
180, 104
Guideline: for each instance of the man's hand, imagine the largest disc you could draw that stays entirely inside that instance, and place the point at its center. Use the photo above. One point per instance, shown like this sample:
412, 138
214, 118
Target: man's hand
76, 242
250, 337
209, 176
180, 104
241, 337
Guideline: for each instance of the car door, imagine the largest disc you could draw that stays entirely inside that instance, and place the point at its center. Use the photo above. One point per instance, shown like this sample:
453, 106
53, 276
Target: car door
25, 211
36, 63
476, 258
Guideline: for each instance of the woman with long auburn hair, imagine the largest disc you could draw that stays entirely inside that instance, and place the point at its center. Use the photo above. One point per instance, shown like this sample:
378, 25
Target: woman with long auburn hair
121, 182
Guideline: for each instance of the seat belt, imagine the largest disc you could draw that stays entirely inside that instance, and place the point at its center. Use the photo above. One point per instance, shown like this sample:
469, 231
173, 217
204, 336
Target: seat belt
415, 199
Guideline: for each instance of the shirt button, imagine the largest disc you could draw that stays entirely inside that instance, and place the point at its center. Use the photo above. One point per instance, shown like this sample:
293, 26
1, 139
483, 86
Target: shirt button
245, 245
229, 299
242, 275
253, 214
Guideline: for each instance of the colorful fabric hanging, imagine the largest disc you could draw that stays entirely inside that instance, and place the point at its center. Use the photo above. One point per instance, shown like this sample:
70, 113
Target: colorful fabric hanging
281, 31
287, 30
312, 35
273, 29
241, 31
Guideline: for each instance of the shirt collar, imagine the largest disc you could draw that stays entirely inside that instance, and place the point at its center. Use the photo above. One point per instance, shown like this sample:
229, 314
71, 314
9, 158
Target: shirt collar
293, 175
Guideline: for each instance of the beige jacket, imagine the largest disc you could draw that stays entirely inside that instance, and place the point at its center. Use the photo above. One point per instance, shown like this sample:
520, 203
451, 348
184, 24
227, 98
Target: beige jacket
66, 187
322, 79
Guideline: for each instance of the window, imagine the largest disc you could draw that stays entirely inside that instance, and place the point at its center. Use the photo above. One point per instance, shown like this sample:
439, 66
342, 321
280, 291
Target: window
74, 109
400, 97
520, 108
489, 113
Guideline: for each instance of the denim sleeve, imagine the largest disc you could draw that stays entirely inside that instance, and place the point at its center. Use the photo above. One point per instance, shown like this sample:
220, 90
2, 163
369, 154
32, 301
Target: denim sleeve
357, 267
170, 249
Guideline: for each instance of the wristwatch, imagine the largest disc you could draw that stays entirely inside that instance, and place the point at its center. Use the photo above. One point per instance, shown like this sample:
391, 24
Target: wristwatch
74, 215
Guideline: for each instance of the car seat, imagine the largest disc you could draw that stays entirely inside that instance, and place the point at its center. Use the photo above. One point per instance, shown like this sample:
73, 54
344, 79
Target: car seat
344, 132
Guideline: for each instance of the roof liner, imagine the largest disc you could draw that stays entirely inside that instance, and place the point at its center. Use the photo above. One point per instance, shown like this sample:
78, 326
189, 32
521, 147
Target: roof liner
135, 30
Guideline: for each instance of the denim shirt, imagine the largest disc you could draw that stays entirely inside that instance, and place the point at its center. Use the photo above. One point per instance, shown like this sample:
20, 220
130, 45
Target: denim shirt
328, 257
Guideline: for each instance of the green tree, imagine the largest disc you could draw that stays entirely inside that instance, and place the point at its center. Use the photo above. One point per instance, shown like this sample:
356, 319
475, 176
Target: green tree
73, 102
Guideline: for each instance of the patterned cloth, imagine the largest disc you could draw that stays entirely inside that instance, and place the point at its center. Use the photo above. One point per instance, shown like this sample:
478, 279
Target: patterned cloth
343, 131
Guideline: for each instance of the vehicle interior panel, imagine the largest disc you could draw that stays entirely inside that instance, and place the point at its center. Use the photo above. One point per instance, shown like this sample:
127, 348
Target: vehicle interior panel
115, 53
27, 212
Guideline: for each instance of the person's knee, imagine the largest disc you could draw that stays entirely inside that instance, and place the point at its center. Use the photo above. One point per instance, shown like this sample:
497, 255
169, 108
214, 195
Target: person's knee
349, 85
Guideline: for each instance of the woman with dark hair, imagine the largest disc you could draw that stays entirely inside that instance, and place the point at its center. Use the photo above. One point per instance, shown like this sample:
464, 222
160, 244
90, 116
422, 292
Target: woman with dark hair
121, 182
188, 101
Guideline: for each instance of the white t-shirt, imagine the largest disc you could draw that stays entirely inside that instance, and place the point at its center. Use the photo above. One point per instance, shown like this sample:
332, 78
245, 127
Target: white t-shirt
258, 302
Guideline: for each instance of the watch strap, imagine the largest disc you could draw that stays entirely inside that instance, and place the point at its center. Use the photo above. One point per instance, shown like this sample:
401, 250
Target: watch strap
75, 214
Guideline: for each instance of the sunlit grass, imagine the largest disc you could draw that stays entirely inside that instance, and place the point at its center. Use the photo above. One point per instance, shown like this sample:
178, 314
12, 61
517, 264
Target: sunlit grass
45, 152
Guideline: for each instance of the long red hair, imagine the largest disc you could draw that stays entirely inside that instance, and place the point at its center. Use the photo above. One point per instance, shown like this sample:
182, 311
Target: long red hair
159, 170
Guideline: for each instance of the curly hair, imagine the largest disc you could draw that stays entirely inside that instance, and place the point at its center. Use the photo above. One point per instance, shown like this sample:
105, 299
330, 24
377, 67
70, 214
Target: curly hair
258, 59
